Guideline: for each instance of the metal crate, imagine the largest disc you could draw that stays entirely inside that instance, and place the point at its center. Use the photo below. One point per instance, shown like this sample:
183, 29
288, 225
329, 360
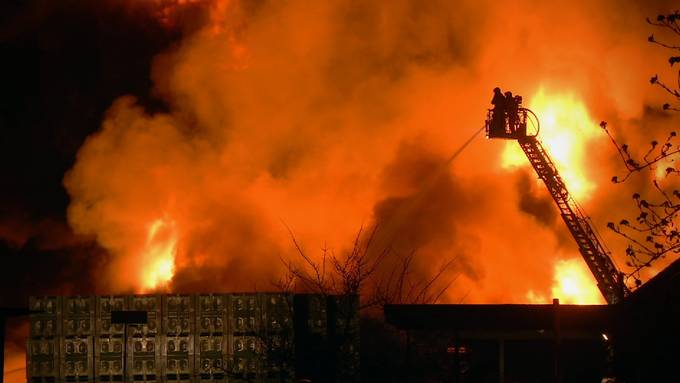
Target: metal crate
143, 358
109, 358
244, 363
178, 338
210, 357
43, 360
152, 305
76, 359
78, 316
212, 312
246, 314
46, 322
106, 304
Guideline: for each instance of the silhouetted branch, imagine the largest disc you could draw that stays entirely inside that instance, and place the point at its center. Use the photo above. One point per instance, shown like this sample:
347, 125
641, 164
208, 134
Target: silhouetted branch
667, 22
652, 156
349, 273
400, 288
653, 234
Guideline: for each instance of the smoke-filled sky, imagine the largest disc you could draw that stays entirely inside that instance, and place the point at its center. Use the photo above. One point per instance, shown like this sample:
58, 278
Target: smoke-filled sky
173, 144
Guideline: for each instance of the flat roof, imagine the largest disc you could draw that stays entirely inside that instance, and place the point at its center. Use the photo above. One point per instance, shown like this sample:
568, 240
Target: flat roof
506, 317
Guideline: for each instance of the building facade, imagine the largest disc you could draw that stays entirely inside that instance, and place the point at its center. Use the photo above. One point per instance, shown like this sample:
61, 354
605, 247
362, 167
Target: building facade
240, 337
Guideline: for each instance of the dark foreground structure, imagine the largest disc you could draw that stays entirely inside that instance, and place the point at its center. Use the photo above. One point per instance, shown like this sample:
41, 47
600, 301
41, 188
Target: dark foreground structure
256, 337
508, 343
637, 340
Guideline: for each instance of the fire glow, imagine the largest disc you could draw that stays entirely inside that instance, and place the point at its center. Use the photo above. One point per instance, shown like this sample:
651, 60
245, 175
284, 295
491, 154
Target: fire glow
566, 131
159, 254
572, 284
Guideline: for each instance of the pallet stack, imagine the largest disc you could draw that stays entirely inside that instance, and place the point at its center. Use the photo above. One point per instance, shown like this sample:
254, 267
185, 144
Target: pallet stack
178, 330
217, 338
211, 337
144, 341
109, 340
77, 342
44, 344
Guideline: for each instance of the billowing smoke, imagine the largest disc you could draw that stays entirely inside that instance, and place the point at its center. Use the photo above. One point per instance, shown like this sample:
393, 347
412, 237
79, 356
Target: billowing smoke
326, 117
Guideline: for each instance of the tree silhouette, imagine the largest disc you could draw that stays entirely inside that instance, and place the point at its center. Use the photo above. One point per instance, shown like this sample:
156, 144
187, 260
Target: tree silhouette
655, 232
668, 22
363, 271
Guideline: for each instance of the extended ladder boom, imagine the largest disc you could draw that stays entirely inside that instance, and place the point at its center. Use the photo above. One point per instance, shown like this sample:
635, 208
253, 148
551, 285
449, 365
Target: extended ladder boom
508, 120
609, 280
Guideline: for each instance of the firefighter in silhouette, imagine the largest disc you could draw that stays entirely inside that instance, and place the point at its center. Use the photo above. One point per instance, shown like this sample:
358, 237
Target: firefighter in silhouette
511, 111
498, 118
521, 121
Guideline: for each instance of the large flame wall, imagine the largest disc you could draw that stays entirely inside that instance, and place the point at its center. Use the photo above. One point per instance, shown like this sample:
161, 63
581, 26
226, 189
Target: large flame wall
325, 117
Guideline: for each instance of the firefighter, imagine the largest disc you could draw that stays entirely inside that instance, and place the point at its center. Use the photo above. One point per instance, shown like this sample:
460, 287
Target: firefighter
520, 118
498, 117
511, 111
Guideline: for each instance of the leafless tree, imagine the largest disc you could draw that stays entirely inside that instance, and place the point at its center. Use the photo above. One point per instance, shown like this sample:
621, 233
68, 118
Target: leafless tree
364, 271
398, 286
670, 22
335, 274
654, 232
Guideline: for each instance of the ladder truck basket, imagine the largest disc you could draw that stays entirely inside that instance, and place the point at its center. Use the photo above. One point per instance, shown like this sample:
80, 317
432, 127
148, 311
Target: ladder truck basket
511, 125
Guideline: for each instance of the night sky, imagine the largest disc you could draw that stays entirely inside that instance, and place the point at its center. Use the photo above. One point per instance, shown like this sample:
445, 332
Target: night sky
63, 64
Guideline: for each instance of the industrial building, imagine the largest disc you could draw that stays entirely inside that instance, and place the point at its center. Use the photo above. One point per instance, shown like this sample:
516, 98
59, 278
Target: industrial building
252, 337
636, 340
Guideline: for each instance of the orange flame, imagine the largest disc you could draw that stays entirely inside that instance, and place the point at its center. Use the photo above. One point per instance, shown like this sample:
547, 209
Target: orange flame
566, 131
159, 254
572, 283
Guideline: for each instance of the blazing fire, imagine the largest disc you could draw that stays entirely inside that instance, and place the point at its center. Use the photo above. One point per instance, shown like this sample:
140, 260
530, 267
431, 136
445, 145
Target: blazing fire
159, 254
572, 284
252, 136
566, 132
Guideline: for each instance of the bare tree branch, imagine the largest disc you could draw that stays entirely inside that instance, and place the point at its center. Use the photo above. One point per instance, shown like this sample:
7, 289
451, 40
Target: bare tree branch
653, 234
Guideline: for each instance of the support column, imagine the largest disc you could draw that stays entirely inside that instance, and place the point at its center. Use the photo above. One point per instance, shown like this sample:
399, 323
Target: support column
501, 360
558, 340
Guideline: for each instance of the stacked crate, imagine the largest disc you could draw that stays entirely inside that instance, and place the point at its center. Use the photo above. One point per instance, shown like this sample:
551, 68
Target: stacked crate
109, 340
224, 338
178, 346
211, 337
244, 361
77, 340
44, 340
143, 341
277, 335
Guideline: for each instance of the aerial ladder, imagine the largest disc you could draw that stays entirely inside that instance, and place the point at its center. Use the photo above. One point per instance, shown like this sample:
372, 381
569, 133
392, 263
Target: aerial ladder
511, 123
